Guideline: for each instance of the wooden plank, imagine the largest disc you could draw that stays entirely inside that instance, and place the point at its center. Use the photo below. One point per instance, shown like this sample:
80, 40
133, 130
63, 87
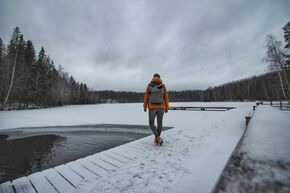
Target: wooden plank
69, 175
58, 181
139, 146
129, 151
6, 188
110, 160
134, 149
92, 167
41, 184
117, 157
102, 164
125, 154
84, 172
23, 185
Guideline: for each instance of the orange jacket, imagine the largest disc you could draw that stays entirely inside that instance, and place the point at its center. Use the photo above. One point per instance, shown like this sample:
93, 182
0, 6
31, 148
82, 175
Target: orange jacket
164, 105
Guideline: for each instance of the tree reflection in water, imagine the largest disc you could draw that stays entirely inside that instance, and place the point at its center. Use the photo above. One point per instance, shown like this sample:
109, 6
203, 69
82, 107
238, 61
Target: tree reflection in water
20, 157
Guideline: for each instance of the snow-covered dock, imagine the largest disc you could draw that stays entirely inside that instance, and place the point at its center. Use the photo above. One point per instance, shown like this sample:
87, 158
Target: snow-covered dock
191, 159
261, 163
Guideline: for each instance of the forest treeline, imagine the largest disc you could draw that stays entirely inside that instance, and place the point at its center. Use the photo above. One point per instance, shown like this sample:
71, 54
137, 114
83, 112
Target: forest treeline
30, 80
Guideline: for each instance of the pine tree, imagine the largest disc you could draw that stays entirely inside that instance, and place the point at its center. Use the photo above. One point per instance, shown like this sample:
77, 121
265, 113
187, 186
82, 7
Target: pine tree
50, 81
73, 91
30, 73
40, 81
81, 88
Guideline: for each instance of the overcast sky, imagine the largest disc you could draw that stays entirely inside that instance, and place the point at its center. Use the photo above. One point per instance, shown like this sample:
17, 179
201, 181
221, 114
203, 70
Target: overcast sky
120, 44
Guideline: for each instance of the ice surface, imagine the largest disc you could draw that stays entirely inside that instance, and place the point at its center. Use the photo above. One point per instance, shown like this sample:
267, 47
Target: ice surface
93, 114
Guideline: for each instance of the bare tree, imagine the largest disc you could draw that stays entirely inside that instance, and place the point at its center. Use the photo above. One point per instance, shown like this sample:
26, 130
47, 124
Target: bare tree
2, 71
14, 46
63, 91
275, 58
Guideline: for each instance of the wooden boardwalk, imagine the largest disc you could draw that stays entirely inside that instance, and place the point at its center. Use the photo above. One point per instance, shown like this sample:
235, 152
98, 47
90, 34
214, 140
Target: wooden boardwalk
65, 178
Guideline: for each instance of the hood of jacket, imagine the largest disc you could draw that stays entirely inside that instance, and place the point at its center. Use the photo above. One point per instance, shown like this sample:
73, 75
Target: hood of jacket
156, 80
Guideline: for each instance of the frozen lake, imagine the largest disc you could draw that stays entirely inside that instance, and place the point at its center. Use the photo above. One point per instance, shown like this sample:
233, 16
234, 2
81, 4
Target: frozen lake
128, 114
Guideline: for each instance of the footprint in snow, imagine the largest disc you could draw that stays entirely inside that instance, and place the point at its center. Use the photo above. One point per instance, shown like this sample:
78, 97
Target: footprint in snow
185, 151
166, 190
137, 176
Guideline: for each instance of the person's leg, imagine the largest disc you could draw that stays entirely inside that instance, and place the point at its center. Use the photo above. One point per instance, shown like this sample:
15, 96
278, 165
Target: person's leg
152, 115
160, 114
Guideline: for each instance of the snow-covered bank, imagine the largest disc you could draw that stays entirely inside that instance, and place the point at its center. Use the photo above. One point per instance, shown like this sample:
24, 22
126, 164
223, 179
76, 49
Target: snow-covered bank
192, 157
262, 162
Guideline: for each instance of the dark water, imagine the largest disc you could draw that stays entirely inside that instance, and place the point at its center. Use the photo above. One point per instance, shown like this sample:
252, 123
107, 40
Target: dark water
27, 150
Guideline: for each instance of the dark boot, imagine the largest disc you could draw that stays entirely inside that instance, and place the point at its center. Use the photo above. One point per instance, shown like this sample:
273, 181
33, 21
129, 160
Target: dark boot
157, 140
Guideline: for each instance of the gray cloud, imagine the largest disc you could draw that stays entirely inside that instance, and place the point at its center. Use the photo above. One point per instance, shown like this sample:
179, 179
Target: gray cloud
112, 44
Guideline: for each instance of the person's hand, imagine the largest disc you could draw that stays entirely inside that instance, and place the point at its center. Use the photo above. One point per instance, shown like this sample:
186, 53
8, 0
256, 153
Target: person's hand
145, 109
166, 110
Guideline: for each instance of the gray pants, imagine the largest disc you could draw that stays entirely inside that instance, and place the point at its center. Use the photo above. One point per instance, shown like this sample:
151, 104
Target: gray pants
159, 114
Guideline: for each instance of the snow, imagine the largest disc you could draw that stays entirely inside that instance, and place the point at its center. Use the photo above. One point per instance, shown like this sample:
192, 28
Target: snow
62, 185
94, 114
74, 115
191, 159
268, 135
41, 184
72, 177
23, 185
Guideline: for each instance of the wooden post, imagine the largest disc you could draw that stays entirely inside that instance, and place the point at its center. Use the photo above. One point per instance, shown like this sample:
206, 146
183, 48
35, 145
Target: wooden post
271, 103
280, 104
248, 118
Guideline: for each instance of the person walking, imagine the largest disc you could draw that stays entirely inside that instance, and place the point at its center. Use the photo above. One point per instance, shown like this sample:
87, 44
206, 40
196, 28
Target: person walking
156, 100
